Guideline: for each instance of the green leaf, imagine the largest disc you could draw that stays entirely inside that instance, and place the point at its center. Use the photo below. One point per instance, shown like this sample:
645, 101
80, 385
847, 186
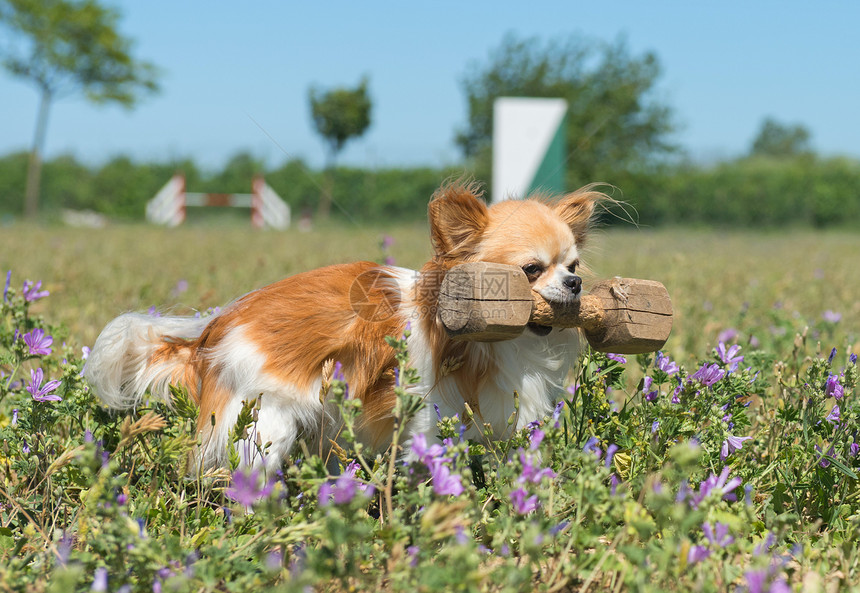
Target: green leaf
844, 469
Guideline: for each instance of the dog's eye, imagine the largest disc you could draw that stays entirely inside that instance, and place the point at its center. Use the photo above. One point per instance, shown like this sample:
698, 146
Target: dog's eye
572, 267
532, 270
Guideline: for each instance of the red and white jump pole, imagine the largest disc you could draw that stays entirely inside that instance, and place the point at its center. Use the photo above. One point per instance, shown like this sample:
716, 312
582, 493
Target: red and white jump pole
169, 204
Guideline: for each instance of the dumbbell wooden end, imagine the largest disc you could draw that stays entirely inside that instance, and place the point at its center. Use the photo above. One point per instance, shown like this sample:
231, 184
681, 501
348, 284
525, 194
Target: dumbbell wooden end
485, 302
492, 302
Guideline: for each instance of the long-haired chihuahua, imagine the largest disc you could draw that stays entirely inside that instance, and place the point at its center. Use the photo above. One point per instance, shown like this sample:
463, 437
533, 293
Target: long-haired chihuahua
277, 342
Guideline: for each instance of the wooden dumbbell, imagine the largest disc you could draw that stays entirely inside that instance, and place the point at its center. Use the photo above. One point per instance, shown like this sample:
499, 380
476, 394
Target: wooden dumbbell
489, 302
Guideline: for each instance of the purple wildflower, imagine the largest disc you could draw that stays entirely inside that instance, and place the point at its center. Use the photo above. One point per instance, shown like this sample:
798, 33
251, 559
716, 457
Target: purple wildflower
718, 535
650, 395
833, 388
591, 446
765, 545
15, 417
38, 342
32, 292
730, 445
246, 489
412, 551
613, 483
715, 484
727, 335
427, 455
823, 461
831, 316
697, 554
684, 491
556, 413
533, 472
100, 579
709, 374
6, 288
42, 393
181, 286
655, 426
389, 260
833, 416
610, 453
676, 395
756, 580
832, 356
444, 482
523, 503
337, 375
325, 493
853, 358
729, 356
854, 449
555, 530
536, 438
616, 358
665, 364
64, 548
387, 241
274, 559
344, 488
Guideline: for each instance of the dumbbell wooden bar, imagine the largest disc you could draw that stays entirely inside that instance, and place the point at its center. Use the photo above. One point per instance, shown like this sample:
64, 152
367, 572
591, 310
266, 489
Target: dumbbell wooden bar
488, 302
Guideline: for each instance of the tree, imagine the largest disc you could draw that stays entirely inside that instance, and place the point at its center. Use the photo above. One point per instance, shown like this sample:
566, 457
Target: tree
237, 174
66, 47
780, 140
614, 122
339, 115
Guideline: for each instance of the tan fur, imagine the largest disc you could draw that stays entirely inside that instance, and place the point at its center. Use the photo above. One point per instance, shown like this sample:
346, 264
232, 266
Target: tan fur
463, 228
345, 312
299, 323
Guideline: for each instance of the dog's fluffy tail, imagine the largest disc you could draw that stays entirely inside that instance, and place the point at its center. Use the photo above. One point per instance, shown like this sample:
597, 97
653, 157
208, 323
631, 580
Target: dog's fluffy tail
137, 353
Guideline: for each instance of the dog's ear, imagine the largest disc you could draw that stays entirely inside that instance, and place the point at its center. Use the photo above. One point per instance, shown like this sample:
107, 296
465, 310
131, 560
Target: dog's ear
577, 210
458, 218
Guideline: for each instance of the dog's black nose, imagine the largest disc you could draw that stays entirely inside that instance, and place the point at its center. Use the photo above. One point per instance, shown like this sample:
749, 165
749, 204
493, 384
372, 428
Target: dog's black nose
574, 283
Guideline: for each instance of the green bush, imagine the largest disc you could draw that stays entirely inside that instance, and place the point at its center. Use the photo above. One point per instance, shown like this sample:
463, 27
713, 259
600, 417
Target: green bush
754, 192
751, 192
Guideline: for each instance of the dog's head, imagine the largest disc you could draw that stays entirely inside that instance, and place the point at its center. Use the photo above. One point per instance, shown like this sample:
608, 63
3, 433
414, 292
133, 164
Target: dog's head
543, 238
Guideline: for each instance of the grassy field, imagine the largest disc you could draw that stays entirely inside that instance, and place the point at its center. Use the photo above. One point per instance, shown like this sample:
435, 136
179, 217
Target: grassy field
717, 279
734, 470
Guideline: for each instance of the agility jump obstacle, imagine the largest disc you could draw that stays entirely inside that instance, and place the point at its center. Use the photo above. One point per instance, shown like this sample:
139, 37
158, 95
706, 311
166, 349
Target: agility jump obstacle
169, 204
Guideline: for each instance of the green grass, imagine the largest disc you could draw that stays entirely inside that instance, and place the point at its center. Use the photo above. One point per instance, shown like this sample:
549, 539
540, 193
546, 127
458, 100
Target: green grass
716, 279
85, 494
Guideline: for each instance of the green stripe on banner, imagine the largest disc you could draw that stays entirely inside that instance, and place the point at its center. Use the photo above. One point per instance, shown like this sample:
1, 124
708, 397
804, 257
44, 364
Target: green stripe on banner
549, 176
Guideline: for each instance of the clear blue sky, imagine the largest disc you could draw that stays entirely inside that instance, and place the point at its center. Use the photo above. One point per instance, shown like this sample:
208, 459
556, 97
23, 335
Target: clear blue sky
726, 65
